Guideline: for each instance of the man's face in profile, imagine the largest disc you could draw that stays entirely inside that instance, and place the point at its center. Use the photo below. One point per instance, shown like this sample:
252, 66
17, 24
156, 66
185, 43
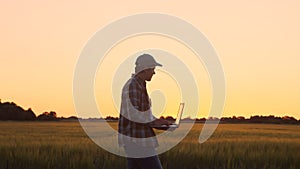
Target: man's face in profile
149, 73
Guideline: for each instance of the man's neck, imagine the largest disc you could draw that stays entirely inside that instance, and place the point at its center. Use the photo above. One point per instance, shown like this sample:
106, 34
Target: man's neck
140, 76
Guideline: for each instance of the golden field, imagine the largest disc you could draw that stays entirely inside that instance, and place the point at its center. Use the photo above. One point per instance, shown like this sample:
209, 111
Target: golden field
64, 145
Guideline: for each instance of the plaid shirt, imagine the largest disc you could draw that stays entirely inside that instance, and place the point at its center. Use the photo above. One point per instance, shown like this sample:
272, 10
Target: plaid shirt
135, 127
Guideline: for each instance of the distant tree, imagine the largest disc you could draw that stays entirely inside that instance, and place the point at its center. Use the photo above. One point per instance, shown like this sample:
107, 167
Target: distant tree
73, 118
11, 111
30, 115
241, 118
110, 118
161, 117
289, 120
52, 116
201, 120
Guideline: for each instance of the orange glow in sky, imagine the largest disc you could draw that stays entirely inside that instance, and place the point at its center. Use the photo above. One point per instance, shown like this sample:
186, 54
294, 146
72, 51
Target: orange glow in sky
257, 43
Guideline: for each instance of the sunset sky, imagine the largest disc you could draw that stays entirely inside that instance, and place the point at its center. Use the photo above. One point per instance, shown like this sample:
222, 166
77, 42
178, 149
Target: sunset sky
257, 43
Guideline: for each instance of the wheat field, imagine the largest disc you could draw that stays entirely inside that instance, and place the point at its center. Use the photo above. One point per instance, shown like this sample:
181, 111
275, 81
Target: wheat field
64, 145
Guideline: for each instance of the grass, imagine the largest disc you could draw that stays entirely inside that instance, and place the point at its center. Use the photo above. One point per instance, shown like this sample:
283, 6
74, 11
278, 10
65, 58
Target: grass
64, 145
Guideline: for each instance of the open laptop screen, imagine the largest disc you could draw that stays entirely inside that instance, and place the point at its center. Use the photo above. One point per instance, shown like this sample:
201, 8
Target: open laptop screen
179, 114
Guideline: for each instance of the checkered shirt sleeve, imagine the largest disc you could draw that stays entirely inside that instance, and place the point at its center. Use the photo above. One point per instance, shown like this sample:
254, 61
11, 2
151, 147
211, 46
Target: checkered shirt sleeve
132, 131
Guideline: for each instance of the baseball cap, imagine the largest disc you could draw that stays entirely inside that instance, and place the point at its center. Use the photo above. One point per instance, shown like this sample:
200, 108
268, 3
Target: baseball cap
145, 61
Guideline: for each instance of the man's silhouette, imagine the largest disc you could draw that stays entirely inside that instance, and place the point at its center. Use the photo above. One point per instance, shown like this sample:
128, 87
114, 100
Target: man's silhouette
135, 132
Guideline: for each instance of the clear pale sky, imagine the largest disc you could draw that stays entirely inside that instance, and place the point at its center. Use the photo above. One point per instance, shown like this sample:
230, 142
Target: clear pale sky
257, 42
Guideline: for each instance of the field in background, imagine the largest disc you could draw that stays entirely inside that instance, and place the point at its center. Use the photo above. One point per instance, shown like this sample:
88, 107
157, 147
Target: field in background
64, 145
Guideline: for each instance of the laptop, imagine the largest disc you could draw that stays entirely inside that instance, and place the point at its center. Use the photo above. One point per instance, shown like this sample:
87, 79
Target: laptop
176, 123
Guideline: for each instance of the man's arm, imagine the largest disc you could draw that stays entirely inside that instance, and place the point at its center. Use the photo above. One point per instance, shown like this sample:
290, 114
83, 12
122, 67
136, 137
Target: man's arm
160, 122
139, 104
135, 95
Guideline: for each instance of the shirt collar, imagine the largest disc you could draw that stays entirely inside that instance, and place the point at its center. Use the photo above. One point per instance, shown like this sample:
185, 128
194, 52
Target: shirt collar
139, 80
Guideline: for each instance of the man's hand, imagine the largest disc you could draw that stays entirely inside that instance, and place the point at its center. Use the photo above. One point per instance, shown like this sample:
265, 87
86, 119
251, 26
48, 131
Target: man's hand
161, 122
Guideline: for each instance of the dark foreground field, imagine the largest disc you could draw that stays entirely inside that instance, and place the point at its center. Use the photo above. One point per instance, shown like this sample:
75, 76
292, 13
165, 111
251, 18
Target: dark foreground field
64, 145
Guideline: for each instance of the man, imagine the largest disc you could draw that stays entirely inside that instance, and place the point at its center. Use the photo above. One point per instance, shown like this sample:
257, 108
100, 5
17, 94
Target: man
135, 132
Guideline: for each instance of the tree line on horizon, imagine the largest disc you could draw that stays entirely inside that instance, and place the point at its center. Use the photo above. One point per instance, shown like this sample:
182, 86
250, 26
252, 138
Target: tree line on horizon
11, 111
271, 119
